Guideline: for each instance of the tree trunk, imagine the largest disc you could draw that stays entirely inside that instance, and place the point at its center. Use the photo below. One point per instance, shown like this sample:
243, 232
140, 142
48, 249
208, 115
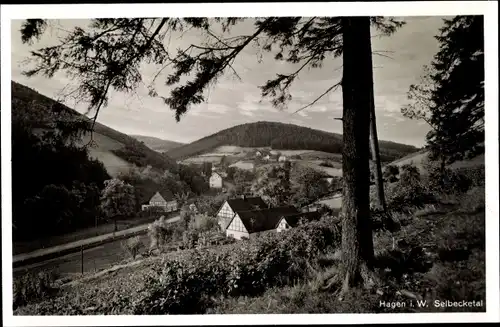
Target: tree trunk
357, 240
375, 153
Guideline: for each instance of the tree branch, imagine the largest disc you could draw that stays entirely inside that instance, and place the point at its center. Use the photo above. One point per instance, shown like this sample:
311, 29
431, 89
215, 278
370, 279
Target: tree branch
333, 87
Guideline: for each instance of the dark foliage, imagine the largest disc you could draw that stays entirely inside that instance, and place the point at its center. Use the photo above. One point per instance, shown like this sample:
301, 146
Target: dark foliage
450, 97
57, 185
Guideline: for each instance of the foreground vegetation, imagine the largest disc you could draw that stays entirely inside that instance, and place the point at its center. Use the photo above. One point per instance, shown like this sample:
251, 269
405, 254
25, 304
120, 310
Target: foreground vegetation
430, 250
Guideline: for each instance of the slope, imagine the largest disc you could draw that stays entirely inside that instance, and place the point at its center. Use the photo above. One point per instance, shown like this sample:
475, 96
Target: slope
157, 144
117, 151
280, 136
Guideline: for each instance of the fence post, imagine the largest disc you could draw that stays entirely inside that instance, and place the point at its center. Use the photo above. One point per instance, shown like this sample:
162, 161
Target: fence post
81, 251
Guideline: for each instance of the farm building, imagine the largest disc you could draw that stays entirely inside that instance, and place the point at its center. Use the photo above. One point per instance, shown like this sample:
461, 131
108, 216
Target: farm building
246, 224
282, 158
162, 199
215, 180
232, 206
267, 157
258, 153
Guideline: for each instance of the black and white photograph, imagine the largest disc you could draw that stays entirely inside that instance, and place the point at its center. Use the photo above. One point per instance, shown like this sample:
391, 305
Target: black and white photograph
250, 163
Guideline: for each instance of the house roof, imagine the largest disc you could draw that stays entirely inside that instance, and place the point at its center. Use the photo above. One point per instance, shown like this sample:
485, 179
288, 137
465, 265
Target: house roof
262, 220
160, 195
246, 204
293, 220
216, 173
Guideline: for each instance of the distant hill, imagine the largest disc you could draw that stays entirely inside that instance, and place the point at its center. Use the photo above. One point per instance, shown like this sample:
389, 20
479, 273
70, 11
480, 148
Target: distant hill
283, 137
420, 158
158, 144
117, 151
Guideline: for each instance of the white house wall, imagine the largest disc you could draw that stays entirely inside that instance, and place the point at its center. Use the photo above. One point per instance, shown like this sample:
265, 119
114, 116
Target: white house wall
224, 215
236, 229
282, 226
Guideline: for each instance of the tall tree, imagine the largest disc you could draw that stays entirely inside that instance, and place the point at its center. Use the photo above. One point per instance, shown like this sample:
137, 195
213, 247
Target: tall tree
450, 95
357, 239
117, 200
109, 53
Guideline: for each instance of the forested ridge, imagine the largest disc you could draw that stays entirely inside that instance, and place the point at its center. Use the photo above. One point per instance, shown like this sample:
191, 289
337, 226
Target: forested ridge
281, 136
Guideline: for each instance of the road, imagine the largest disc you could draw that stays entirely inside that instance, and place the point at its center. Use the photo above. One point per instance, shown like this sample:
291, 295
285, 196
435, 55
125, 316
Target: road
94, 258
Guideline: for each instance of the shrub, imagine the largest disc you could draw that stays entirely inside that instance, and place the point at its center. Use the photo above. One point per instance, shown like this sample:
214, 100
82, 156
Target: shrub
31, 288
409, 192
448, 181
473, 200
391, 173
132, 246
158, 232
187, 284
476, 175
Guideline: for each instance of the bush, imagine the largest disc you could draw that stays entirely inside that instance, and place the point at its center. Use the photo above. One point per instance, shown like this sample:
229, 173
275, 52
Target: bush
409, 192
158, 232
187, 284
476, 175
448, 181
391, 173
32, 288
132, 246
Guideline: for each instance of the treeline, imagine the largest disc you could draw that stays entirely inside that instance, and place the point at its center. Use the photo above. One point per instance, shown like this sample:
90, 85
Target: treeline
280, 136
56, 185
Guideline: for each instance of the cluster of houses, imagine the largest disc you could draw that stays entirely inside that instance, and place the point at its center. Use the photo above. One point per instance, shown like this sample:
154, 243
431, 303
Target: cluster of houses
270, 156
243, 217
247, 217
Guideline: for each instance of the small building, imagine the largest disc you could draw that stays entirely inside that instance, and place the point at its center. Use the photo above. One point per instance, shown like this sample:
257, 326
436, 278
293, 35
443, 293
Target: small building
193, 207
282, 158
329, 180
293, 221
215, 180
258, 154
267, 157
229, 208
163, 200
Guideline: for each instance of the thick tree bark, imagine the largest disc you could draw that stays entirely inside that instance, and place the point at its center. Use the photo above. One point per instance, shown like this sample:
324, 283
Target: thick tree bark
375, 153
357, 240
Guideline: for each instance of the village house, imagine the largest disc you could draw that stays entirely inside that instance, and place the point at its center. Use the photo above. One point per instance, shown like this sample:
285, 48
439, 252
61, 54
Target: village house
267, 157
231, 206
162, 199
215, 180
282, 158
258, 154
247, 224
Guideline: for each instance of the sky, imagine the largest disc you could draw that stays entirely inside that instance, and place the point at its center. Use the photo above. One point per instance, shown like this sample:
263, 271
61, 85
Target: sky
398, 62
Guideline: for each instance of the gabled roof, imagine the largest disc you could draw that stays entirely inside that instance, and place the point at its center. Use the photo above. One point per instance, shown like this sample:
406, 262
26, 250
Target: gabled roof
246, 204
215, 173
293, 220
266, 219
160, 196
